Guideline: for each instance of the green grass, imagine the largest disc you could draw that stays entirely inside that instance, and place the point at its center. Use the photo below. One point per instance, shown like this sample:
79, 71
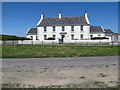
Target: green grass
86, 43
39, 51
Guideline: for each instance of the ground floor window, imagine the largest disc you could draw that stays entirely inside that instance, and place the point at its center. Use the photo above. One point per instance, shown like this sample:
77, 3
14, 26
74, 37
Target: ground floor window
99, 35
53, 36
45, 37
31, 37
72, 37
81, 36
36, 37
91, 36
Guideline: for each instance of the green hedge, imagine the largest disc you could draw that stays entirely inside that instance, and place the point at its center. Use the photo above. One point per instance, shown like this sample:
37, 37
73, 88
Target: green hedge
98, 38
51, 38
8, 37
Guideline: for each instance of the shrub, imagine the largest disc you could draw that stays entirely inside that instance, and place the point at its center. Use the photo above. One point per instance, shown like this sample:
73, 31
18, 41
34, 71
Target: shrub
99, 38
51, 38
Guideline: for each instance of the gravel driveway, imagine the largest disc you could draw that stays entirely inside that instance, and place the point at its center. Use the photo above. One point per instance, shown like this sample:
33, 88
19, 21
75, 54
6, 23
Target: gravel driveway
62, 72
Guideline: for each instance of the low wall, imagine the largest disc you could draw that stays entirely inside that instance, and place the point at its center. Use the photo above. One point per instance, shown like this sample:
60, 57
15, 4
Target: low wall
87, 41
45, 41
15, 42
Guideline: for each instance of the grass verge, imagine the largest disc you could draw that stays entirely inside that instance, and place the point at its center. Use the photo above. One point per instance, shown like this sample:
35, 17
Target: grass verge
39, 51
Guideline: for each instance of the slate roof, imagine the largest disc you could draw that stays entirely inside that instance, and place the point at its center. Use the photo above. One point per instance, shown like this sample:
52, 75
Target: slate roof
32, 31
96, 29
108, 31
63, 21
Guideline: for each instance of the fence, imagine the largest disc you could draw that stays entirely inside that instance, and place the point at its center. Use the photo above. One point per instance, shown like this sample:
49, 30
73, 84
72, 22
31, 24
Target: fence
55, 42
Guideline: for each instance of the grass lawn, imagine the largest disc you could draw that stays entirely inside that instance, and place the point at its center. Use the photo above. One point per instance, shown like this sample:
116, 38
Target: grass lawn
38, 51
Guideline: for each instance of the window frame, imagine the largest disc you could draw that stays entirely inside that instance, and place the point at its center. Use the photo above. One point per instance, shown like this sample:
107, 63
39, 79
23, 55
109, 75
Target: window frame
31, 37
45, 29
72, 28
45, 37
63, 28
36, 37
72, 36
81, 28
81, 35
91, 36
54, 36
54, 29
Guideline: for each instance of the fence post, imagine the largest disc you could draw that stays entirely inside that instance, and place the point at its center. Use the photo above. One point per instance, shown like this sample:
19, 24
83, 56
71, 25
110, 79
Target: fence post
42, 42
13, 42
112, 43
100, 43
31, 42
53, 42
3, 42
87, 43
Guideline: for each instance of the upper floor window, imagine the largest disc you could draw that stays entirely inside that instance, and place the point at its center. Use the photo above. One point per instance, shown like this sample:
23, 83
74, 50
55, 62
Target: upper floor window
72, 37
45, 29
63, 29
72, 28
45, 37
81, 36
81, 28
53, 28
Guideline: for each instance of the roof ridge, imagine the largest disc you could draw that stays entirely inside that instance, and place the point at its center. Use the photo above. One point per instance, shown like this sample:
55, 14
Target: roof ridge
65, 17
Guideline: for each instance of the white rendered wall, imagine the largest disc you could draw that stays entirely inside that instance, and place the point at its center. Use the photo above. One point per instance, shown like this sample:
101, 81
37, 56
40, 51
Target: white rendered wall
58, 29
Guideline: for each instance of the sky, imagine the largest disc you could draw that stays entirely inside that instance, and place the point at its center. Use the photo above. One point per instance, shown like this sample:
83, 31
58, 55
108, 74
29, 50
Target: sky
18, 17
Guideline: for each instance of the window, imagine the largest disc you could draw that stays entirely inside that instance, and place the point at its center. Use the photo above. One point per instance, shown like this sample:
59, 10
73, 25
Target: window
53, 36
72, 37
31, 37
45, 37
91, 36
53, 28
36, 37
63, 28
45, 29
81, 28
72, 28
99, 35
81, 36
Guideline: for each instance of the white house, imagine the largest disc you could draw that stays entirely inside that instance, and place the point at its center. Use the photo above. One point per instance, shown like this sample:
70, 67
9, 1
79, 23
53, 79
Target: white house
66, 28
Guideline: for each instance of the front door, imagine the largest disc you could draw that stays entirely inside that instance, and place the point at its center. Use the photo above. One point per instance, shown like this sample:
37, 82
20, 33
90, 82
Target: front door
62, 38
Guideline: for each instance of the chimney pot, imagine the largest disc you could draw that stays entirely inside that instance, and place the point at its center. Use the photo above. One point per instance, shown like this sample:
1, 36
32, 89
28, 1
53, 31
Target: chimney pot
60, 15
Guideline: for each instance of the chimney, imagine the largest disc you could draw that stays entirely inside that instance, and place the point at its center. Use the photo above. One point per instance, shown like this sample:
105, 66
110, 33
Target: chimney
86, 17
60, 15
42, 16
85, 14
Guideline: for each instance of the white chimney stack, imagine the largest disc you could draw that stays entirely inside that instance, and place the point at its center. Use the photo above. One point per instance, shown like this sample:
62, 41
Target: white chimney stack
86, 17
60, 15
42, 15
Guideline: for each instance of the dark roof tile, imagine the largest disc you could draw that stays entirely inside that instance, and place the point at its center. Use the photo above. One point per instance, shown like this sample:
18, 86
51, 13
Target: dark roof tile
108, 31
63, 21
96, 29
32, 31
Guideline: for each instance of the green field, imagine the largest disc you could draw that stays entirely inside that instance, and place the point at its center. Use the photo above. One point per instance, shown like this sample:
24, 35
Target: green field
39, 51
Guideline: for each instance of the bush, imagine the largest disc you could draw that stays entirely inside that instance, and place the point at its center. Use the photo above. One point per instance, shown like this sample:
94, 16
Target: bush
51, 38
98, 38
